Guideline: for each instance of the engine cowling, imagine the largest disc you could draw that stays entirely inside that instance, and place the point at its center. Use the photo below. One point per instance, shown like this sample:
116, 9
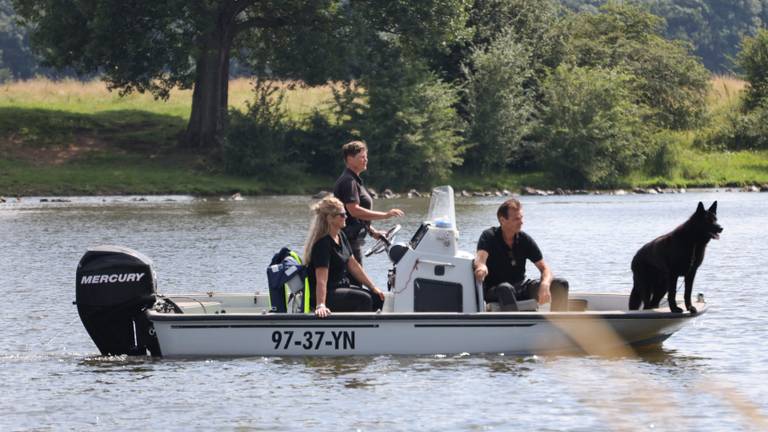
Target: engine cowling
114, 287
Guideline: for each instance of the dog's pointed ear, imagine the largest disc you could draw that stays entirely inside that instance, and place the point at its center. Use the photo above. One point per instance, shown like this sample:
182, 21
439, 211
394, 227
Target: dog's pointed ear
700, 208
713, 208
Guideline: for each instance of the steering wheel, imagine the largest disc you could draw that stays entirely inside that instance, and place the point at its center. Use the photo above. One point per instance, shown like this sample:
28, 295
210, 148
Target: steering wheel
384, 242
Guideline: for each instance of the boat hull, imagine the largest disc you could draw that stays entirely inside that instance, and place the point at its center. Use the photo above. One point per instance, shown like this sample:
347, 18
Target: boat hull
410, 334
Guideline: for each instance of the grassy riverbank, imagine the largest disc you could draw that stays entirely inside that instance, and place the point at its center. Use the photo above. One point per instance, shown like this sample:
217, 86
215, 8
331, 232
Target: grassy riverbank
68, 138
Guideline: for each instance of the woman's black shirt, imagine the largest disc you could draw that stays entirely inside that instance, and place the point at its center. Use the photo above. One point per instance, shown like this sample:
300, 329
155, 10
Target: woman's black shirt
326, 253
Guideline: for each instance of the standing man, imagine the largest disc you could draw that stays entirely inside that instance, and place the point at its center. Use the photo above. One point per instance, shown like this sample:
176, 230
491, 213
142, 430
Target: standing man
349, 189
500, 261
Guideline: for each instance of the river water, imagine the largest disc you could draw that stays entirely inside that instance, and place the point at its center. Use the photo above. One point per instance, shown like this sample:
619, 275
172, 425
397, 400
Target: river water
710, 376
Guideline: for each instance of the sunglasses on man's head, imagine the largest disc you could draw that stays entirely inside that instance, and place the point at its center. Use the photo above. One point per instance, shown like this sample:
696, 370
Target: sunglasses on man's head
340, 214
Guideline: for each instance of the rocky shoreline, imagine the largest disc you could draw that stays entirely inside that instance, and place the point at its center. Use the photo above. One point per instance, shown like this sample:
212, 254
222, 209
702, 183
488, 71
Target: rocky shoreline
413, 193
530, 191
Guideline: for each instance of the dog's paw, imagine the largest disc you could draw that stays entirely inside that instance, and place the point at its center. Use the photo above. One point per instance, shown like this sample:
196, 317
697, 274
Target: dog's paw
675, 309
693, 310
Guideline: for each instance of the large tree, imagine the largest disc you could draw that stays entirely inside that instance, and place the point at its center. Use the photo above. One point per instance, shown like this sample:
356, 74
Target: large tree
714, 27
150, 45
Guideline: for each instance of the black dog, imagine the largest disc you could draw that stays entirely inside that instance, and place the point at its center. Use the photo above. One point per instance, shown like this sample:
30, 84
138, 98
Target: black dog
658, 264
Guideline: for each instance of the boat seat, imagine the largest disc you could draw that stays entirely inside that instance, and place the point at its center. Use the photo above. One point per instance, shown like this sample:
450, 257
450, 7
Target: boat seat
518, 306
577, 305
527, 305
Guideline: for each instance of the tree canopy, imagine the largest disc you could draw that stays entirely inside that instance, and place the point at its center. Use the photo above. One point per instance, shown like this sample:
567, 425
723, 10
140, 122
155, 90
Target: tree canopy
753, 59
713, 27
665, 76
593, 130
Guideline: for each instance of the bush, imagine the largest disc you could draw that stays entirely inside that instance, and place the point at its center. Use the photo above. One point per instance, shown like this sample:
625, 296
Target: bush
265, 143
319, 143
665, 77
592, 129
407, 117
737, 131
256, 140
665, 159
753, 60
500, 108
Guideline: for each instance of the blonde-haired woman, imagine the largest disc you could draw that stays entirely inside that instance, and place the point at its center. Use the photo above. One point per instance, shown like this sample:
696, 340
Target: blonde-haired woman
331, 262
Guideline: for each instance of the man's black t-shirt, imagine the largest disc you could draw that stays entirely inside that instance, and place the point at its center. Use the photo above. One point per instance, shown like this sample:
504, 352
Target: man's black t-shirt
507, 264
349, 189
326, 253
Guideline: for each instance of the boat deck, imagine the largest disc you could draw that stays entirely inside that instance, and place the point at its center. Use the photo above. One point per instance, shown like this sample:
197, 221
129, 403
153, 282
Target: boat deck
212, 303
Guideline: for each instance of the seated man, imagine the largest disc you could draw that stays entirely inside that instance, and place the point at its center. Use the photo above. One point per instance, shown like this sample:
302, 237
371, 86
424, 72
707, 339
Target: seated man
500, 264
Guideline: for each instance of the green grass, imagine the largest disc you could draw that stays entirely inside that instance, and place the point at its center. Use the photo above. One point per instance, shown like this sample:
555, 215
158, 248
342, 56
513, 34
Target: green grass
704, 169
724, 169
104, 175
43, 127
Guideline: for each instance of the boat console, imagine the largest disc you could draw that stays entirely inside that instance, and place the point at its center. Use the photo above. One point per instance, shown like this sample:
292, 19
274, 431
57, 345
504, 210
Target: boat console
430, 273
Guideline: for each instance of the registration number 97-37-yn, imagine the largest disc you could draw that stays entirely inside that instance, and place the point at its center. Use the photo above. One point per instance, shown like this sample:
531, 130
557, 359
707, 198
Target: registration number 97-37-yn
314, 339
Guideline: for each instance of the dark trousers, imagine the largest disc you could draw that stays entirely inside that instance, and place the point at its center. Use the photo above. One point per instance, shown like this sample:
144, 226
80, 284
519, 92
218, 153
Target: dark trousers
357, 248
529, 290
357, 252
353, 299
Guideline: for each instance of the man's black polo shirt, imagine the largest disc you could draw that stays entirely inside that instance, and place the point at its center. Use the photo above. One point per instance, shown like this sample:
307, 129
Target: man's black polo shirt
349, 189
507, 264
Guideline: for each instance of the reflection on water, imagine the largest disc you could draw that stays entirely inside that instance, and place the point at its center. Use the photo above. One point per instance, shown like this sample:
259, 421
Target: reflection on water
330, 367
706, 377
669, 357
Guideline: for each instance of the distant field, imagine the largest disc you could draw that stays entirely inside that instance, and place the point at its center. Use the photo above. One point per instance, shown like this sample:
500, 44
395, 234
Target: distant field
724, 95
725, 88
92, 96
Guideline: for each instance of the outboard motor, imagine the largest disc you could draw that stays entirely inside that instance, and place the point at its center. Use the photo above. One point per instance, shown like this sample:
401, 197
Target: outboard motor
115, 286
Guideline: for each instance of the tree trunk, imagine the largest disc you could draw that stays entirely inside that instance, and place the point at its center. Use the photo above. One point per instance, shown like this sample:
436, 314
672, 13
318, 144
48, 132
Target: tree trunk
208, 120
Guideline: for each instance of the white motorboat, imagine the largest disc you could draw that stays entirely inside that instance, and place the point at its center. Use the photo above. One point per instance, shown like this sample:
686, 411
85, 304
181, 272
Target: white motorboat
433, 306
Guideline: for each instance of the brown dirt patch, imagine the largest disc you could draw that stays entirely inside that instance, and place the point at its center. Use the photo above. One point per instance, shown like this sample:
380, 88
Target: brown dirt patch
14, 147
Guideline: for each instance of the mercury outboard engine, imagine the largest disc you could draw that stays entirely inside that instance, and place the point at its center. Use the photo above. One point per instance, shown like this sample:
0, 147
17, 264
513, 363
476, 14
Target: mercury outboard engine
115, 286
